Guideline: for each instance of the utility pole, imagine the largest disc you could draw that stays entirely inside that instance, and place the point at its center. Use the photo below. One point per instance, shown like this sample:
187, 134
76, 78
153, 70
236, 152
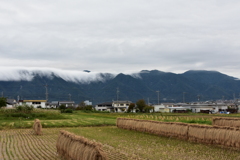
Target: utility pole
184, 97
46, 92
117, 97
198, 97
158, 96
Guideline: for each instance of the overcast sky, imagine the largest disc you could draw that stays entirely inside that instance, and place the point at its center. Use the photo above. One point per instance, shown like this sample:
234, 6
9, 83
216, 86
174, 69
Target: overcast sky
121, 35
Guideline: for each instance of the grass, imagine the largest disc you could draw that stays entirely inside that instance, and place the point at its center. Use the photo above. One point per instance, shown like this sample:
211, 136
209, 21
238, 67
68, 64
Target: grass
53, 118
50, 119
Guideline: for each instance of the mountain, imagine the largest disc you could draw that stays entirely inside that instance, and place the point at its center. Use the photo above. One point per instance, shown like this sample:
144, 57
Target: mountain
103, 87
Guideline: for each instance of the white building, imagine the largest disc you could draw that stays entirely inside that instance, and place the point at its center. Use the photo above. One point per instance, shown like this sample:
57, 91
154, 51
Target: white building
121, 106
214, 108
115, 106
87, 103
179, 109
54, 104
199, 107
162, 108
34, 103
107, 106
11, 103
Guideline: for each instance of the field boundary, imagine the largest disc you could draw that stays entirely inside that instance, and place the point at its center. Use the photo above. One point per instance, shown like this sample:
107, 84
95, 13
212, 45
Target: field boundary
219, 135
226, 121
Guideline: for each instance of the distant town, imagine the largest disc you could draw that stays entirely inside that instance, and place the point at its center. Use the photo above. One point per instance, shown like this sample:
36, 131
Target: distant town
211, 107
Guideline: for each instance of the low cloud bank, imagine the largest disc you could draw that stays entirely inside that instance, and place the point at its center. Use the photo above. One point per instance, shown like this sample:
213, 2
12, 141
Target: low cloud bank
27, 74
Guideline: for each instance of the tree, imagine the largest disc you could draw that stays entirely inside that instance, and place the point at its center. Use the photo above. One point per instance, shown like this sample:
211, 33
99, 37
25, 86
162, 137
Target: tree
147, 109
62, 108
3, 102
88, 107
81, 104
130, 107
25, 108
141, 104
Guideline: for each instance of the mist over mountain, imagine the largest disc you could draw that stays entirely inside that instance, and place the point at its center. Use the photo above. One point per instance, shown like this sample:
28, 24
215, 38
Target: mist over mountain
102, 87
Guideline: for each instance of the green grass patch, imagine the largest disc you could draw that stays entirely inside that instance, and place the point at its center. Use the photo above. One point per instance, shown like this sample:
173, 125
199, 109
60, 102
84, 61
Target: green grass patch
53, 118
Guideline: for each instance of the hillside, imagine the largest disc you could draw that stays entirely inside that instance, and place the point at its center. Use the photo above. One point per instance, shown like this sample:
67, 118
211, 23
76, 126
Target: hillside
208, 85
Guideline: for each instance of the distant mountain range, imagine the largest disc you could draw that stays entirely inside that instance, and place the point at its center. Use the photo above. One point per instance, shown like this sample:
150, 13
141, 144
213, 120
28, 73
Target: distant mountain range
105, 87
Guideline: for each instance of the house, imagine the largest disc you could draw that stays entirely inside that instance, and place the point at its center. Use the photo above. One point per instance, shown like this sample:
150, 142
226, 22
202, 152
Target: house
54, 104
67, 103
107, 106
161, 108
11, 103
34, 103
199, 107
179, 108
206, 108
115, 106
120, 106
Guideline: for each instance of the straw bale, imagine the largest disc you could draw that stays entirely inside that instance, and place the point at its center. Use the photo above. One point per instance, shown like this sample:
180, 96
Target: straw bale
220, 135
209, 135
72, 147
236, 138
180, 130
205, 134
37, 127
169, 129
226, 121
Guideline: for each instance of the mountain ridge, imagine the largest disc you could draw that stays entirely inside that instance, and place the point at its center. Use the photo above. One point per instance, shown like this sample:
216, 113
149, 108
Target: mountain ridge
208, 85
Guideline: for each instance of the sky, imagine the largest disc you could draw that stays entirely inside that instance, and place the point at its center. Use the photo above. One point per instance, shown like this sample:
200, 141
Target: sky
121, 36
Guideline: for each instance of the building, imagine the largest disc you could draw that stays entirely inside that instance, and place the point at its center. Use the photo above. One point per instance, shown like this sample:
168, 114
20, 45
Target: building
87, 103
120, 106
115, 106
11, 103
34, 103
206, 108
180, 108
107, 106
54, 104
162, 108
67, 103
199, 107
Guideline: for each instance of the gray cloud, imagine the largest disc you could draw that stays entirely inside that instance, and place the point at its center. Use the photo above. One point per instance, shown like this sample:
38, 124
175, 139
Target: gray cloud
121, 36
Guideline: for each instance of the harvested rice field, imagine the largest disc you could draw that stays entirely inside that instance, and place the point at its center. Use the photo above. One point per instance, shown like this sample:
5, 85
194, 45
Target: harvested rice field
119, 144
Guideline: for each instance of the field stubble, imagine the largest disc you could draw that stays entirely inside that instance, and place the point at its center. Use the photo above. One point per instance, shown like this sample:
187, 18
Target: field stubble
119, 144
